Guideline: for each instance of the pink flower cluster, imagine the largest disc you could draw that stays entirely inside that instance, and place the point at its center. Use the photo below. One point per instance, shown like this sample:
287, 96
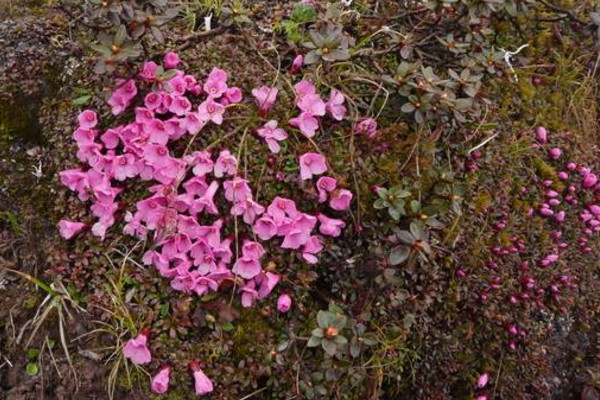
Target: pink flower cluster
181, 214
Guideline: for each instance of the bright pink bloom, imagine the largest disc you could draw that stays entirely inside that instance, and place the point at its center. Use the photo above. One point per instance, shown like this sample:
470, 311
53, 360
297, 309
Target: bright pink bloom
334, 105
171, 60
330, 226
555, 153
84, 136
202, 162
88, 119
226, 164
304, 88
312, 247
206, 202
237, 189
124, 167
152, 101
193, 123
246, 267
249, 294
202, 384
267, 281
280, 208
541, 134
265, 97
306, 123
265, 228
149, 71
178, 85
137, 350
312, 164
483, 380
284, 303
325, 185
209, 110
216, 83
160, 383
249, 209
589, 180
297, 64
367, 126
312, 104
340, 199
180, 105
68, 229
234, 95
253, 250
272, 135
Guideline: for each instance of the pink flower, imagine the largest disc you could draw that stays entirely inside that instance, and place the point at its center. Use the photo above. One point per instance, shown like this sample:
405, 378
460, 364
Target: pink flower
149, 71
304, 88
88, 119
246, 267
265, 228
193, 123
234, 95
160, 383
265, 97
68, 229
216, 83
325, 185
312, 104
272, 135
340, 199
171, 60
589, 180
124, 167
312, 247
237, 189
280, 208
267, 281
226, 164
253, 250
178, 85
330, 226
249, 209
249, 294
367, 126
307, 124
541, 134
180, 105
284, 303
554, 153
202, 162
297, 64
312, 164
152, 101
136, 349
483, 380
202, 384
335, 106
209, 110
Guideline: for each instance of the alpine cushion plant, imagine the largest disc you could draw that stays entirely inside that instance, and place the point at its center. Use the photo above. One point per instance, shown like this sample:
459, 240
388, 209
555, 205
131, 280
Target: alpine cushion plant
193, 195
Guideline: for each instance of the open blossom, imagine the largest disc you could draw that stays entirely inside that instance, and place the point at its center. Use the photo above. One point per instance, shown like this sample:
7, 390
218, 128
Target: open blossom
272, 135
330, 226
335, 105
88, 119
310, 249
246, 267
284, 303
306, 123
216, 83
265, 97
312, 104
160, 383
68, 229
367, 126
312, 164
325, 185
267, 282
304, 88
265, 227
234, 95
171, 60
202, 384
226, 164
122, 97
340, 199
210, 110
137, 350
149, 71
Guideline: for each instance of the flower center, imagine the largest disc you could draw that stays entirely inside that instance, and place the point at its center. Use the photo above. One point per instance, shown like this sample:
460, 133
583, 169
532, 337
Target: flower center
162, 151
123, 161
210, 109
331, 332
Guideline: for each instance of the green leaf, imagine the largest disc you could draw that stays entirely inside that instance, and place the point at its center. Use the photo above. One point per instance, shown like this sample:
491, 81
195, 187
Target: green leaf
324, 319
394, 213
415, 206
314, 341
32, 369
227, 327
417, 230
341, 340
334, 308
303, 13
380, 204
329, 346
399, 254
318, 332
33, 353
